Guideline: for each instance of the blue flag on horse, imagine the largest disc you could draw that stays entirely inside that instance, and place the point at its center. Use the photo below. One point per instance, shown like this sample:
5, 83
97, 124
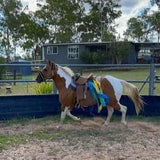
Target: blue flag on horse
95, 89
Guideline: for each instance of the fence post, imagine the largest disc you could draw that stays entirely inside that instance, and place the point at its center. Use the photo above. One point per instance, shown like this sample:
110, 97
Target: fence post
14, 77
151, 79
54, 88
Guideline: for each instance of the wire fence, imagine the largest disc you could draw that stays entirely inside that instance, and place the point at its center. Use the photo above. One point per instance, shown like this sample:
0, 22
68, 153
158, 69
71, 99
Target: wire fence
17, 83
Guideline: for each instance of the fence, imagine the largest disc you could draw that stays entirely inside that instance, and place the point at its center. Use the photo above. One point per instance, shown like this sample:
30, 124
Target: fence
151, 78
42, 105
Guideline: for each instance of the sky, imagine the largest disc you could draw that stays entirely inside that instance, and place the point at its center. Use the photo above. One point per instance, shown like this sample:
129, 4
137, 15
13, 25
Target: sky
129, 8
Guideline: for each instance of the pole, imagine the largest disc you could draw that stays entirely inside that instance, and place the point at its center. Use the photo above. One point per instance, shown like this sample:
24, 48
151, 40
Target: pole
54, 88
152, 75
151, 79
14, 76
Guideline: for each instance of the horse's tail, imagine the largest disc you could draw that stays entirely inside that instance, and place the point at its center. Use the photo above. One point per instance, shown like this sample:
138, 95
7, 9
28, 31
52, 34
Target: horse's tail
132, 91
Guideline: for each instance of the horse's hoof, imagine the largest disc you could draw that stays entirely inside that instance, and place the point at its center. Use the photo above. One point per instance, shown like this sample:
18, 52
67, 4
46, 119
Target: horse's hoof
124, 123
59, 127
105, 125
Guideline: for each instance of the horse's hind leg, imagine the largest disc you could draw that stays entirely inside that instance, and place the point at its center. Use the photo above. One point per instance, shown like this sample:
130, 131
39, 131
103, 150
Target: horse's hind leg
110, 112
123, 109
71, 115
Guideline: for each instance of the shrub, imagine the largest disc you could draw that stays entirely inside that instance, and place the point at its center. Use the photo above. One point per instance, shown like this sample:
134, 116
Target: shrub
93, 58
43, 88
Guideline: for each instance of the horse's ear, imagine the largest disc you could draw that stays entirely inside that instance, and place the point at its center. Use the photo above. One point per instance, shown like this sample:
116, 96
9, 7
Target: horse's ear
53, 65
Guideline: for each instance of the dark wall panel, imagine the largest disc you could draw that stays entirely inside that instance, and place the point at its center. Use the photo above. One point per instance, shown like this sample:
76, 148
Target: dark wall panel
42, 105
30, 106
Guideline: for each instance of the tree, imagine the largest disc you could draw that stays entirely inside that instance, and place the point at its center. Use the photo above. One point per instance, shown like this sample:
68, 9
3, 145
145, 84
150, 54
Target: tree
9, 11
155, 2
108, 36
122, 51
135, 29
62, 18
18, 28
154, 21
118, 51
100, 18
32, 31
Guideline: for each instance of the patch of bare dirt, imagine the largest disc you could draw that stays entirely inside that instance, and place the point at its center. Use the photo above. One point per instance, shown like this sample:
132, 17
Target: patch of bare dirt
87, 140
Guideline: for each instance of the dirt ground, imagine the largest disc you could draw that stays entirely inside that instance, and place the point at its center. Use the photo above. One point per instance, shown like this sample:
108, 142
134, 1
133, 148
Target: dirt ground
87, 140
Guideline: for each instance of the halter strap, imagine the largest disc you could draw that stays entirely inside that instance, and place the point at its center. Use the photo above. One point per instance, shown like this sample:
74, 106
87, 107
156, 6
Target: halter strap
42, 76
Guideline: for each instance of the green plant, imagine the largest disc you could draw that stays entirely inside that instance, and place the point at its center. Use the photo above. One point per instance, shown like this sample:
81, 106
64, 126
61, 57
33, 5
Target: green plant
43, 88
92, 57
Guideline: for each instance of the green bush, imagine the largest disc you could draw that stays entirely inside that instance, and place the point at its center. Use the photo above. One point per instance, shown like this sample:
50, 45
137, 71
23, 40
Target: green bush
92, 58
43, 88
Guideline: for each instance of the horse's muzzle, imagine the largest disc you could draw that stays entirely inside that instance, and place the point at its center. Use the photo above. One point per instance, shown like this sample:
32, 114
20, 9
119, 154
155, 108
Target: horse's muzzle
39, 78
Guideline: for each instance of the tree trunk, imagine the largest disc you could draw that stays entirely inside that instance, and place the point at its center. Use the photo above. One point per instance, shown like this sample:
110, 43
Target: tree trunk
8, 48
158, 37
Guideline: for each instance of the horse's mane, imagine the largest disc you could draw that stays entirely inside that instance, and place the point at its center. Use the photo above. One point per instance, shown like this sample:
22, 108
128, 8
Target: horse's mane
67, 70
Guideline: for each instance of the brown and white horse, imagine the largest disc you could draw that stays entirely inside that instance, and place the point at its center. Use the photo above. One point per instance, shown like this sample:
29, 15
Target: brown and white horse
111, 86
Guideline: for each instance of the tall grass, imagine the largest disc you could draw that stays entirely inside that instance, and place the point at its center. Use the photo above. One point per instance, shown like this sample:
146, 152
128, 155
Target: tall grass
43, 88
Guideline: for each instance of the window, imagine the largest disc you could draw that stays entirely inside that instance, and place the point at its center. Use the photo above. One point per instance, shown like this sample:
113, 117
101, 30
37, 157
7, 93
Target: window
73, 52
52, 50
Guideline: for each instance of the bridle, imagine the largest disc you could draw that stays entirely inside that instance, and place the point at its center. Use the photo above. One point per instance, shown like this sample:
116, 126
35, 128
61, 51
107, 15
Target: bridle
42, 76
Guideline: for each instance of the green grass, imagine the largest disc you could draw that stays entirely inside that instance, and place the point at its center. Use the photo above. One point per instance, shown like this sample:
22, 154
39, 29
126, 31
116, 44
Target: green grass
26, 121
154, 119
42, 135
11, 140
20, 121
39, 121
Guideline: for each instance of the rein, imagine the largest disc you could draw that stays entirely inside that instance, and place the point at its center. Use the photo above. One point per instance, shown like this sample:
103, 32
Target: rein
42, 76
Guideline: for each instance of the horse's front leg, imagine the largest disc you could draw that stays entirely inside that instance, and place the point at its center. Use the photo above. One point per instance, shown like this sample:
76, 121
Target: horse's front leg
63, 115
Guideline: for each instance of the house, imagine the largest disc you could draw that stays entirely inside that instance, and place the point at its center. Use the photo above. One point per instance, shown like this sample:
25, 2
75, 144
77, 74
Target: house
69, 53
148, 52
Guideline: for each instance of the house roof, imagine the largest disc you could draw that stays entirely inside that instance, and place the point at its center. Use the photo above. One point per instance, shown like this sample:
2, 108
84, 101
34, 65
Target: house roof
149, 45
80, 43
138, 44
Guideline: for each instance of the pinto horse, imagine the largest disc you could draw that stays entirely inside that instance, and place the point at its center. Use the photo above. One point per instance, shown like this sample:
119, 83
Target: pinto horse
111, 86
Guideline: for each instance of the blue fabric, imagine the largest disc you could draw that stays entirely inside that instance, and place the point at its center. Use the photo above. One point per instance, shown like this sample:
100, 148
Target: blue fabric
100, 97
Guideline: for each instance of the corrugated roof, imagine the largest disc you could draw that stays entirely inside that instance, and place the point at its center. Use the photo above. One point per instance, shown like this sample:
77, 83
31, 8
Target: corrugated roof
80, 43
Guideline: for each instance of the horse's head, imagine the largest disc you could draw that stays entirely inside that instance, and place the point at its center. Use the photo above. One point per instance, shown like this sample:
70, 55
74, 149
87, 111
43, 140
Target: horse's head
47, 72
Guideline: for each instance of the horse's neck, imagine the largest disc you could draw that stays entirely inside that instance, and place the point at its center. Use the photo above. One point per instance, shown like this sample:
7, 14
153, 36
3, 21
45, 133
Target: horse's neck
62, 80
